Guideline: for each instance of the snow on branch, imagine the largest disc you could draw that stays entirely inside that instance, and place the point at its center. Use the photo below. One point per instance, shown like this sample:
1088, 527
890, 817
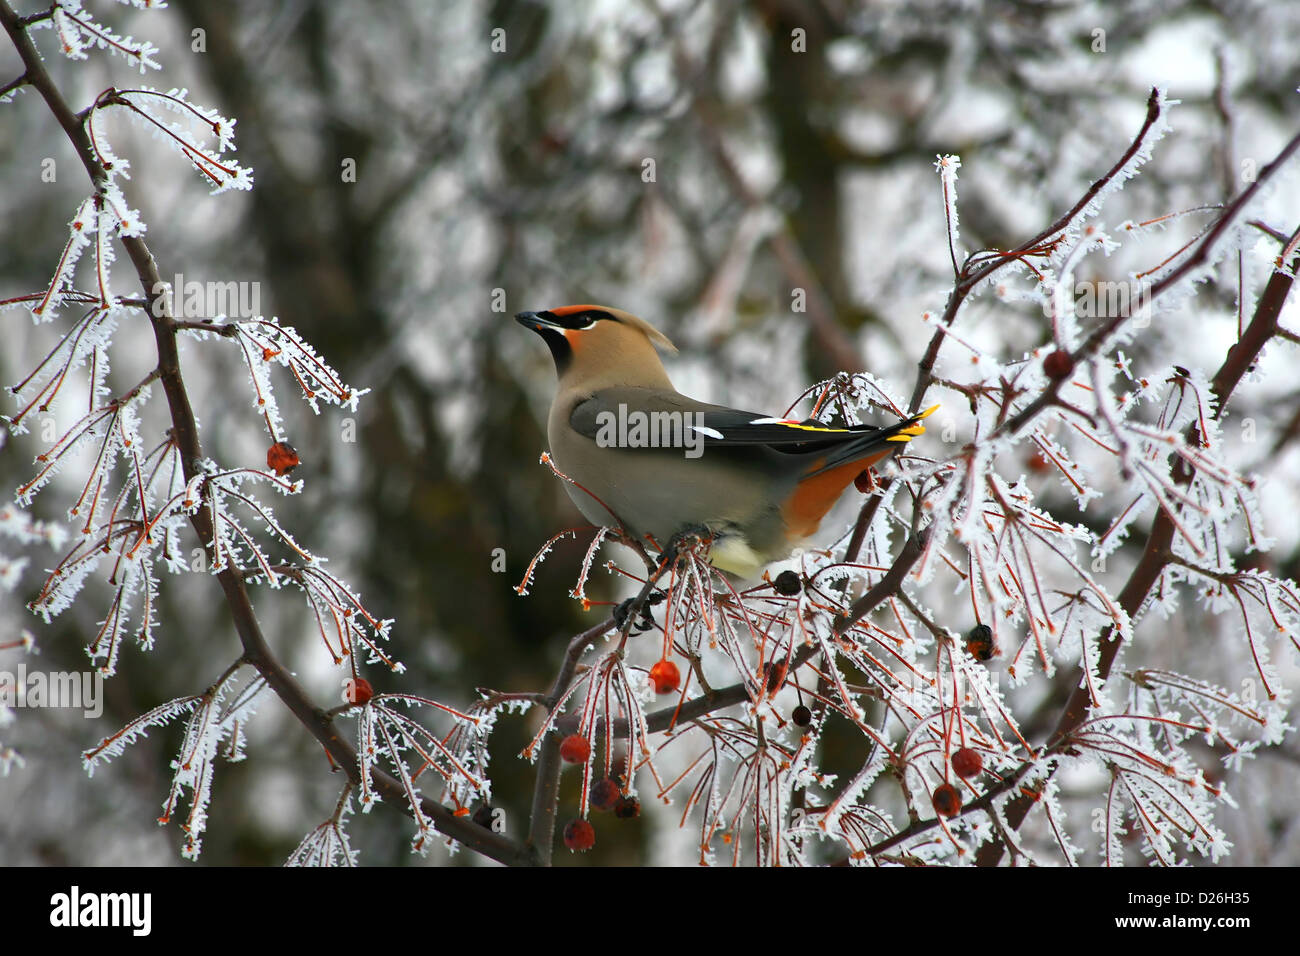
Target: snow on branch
203, 136
78, 32
328, 844
390, 736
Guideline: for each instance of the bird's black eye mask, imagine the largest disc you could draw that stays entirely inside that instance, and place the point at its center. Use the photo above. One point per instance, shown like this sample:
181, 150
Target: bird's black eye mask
552, 328
576, 321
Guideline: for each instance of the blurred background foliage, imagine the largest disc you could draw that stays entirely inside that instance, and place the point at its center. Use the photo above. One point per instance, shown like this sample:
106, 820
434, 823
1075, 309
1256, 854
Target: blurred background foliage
695, 162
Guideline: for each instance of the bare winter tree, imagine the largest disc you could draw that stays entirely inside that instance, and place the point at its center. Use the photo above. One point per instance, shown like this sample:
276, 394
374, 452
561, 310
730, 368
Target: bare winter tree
1062, 629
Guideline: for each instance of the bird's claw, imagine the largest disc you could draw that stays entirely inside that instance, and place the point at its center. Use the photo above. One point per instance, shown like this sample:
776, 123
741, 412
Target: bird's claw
629, 608
687, 539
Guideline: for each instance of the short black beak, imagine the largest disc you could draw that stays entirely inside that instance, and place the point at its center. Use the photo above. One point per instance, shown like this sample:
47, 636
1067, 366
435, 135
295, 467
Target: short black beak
534, 321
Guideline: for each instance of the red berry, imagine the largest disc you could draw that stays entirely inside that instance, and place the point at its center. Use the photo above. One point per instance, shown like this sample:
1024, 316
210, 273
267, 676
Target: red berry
865, 481
579, 835
281, 458
627, 808
1058, 364
967, 762
357, 690
665, 676
604, 794
802, 716
947, 801
575, 749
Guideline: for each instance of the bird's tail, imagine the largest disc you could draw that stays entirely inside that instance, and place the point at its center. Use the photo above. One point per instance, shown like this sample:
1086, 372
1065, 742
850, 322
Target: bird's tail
873, 443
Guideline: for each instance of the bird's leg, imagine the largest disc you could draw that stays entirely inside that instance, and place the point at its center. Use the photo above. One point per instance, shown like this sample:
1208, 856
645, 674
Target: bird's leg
686, 540
640, 603
626, 612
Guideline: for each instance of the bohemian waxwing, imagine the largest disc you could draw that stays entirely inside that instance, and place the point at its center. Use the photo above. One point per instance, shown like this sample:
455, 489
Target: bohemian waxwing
643, 455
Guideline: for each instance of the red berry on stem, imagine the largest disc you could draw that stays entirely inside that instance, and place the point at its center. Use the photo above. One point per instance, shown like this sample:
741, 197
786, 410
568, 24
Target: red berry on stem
281, 458
1058, 364
1039, 462
967, 762
358, 691
627, 808
575, 749
665, 676
579, 835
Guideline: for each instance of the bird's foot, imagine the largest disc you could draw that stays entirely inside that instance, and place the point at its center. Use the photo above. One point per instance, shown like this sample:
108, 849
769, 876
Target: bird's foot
688, 539
634, 606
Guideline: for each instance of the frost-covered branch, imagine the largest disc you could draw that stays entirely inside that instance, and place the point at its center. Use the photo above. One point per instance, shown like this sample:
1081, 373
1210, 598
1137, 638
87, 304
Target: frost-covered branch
1157, 552
183, 449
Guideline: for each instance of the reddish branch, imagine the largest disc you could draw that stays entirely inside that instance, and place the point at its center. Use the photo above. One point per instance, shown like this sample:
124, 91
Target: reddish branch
1156, 551
1197, 259
972, 275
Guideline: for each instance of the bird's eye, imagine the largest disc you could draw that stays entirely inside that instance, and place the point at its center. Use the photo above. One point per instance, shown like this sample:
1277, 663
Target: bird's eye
576, 321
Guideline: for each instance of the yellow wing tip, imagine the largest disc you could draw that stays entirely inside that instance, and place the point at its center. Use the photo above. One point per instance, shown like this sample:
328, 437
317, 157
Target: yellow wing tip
816, 428
910, 431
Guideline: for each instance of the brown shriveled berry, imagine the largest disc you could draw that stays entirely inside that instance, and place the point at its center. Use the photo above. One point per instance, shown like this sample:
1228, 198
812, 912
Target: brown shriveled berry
604, 794
627, 808
787, 583
947, 801
979, 642
774, 675
579, 835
